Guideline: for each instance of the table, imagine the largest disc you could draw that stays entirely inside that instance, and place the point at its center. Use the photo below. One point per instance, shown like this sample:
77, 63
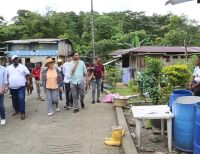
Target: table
161, 112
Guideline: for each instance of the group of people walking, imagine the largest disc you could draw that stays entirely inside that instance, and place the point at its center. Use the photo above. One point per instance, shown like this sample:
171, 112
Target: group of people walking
72, 77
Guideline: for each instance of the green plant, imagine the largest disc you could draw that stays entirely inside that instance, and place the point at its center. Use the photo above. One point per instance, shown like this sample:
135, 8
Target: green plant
113, 75
192, 62
132, 85
176, 75
149, 80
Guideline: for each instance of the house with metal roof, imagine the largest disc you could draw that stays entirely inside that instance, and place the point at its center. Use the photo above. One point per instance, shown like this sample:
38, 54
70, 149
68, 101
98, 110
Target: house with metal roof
134, 57
34, 50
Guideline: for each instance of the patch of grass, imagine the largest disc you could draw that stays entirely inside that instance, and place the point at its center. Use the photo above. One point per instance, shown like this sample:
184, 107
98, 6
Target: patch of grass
123, 91
148, 125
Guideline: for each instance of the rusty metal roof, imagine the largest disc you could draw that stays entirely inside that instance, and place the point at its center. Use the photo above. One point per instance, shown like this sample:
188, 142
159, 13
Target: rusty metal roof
156, 49
31, 41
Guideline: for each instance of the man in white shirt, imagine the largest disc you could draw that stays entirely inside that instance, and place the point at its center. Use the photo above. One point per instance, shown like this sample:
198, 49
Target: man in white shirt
67, 75
195, 83
78, 71
17, 78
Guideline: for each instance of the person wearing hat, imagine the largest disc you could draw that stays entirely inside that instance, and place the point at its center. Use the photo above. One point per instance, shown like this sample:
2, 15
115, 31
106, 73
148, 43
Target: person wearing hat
68, 94
17, 78
51, 81
60, 68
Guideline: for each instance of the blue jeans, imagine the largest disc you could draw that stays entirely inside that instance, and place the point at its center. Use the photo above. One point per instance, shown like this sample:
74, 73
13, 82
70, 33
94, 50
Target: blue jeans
96, 85
2, 108
18, 99
68, 94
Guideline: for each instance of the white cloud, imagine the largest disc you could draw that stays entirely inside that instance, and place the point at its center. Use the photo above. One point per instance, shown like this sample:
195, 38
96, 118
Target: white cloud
8, 8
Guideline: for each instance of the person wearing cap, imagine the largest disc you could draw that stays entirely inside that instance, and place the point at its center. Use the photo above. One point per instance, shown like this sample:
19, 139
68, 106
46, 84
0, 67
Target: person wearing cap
78, 71
67, 75
51, 81
36, 74
17, 78
60, 68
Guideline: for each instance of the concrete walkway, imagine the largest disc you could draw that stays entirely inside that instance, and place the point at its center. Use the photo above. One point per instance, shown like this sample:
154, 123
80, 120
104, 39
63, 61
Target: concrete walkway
62, 133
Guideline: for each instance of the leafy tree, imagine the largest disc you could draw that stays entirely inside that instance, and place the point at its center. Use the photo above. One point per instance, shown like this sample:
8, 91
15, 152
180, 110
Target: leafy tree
113, 30
105, 28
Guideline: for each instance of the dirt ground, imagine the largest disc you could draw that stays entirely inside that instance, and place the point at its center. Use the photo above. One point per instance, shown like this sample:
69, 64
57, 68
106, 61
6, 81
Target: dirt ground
151, 139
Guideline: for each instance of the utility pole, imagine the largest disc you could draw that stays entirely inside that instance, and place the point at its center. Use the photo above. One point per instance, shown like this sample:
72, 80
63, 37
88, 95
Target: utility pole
92, 31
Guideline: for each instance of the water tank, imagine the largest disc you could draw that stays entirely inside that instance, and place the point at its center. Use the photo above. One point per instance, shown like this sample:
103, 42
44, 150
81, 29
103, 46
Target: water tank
178, 93
183, 109
197, 129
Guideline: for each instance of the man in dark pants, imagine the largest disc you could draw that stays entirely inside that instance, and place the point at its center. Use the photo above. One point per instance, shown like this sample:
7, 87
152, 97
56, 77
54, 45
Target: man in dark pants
69, 99
17, 78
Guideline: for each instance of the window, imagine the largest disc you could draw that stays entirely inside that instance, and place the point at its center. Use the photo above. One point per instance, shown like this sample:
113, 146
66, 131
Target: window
167, 58
27, 60
125, 61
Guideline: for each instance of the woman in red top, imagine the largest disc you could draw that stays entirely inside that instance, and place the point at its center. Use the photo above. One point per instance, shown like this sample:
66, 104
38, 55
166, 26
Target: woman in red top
97, 79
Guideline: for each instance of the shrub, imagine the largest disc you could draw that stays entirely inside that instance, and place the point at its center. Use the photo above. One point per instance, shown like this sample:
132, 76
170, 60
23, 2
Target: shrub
149, 80
192, 62
132, 85
176, 75
113, 76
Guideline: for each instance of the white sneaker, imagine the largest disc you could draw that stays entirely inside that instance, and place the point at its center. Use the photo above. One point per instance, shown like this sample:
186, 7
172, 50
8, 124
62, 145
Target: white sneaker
57, 109
3, 122
50, 114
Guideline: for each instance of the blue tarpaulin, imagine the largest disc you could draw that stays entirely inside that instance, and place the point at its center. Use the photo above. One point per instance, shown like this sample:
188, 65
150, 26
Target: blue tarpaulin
33, 53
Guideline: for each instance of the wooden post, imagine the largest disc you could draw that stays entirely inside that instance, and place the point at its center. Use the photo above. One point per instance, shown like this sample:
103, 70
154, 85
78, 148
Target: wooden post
186, 51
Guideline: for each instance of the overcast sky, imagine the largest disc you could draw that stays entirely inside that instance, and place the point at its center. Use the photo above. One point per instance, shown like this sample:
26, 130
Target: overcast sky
8, 8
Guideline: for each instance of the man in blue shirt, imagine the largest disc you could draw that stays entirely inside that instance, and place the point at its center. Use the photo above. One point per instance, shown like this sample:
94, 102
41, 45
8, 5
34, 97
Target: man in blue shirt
3, 89
77, 80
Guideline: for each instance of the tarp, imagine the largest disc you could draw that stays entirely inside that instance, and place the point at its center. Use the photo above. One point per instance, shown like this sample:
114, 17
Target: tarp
176, 1
32, 53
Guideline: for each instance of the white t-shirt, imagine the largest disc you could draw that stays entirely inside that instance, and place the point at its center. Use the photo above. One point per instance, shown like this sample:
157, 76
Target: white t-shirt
17, 76
196, 74
66, 72
60, 68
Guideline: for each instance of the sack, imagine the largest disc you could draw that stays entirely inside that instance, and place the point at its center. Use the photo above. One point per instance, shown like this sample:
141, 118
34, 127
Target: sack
109, 98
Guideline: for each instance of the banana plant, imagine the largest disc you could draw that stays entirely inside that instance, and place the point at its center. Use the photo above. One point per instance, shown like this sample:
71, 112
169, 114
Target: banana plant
135, 42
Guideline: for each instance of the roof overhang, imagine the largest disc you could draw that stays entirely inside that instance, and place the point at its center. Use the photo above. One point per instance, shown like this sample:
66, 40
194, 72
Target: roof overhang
144, 50
38, 53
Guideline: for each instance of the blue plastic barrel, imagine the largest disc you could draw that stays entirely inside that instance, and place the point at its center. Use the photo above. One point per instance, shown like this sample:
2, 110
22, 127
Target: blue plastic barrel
197, 129
178, 93
183, 124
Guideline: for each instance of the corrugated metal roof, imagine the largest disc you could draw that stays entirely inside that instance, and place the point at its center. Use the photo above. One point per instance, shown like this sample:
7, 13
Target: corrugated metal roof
121, 52
49, 40
33, 54
156, 49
